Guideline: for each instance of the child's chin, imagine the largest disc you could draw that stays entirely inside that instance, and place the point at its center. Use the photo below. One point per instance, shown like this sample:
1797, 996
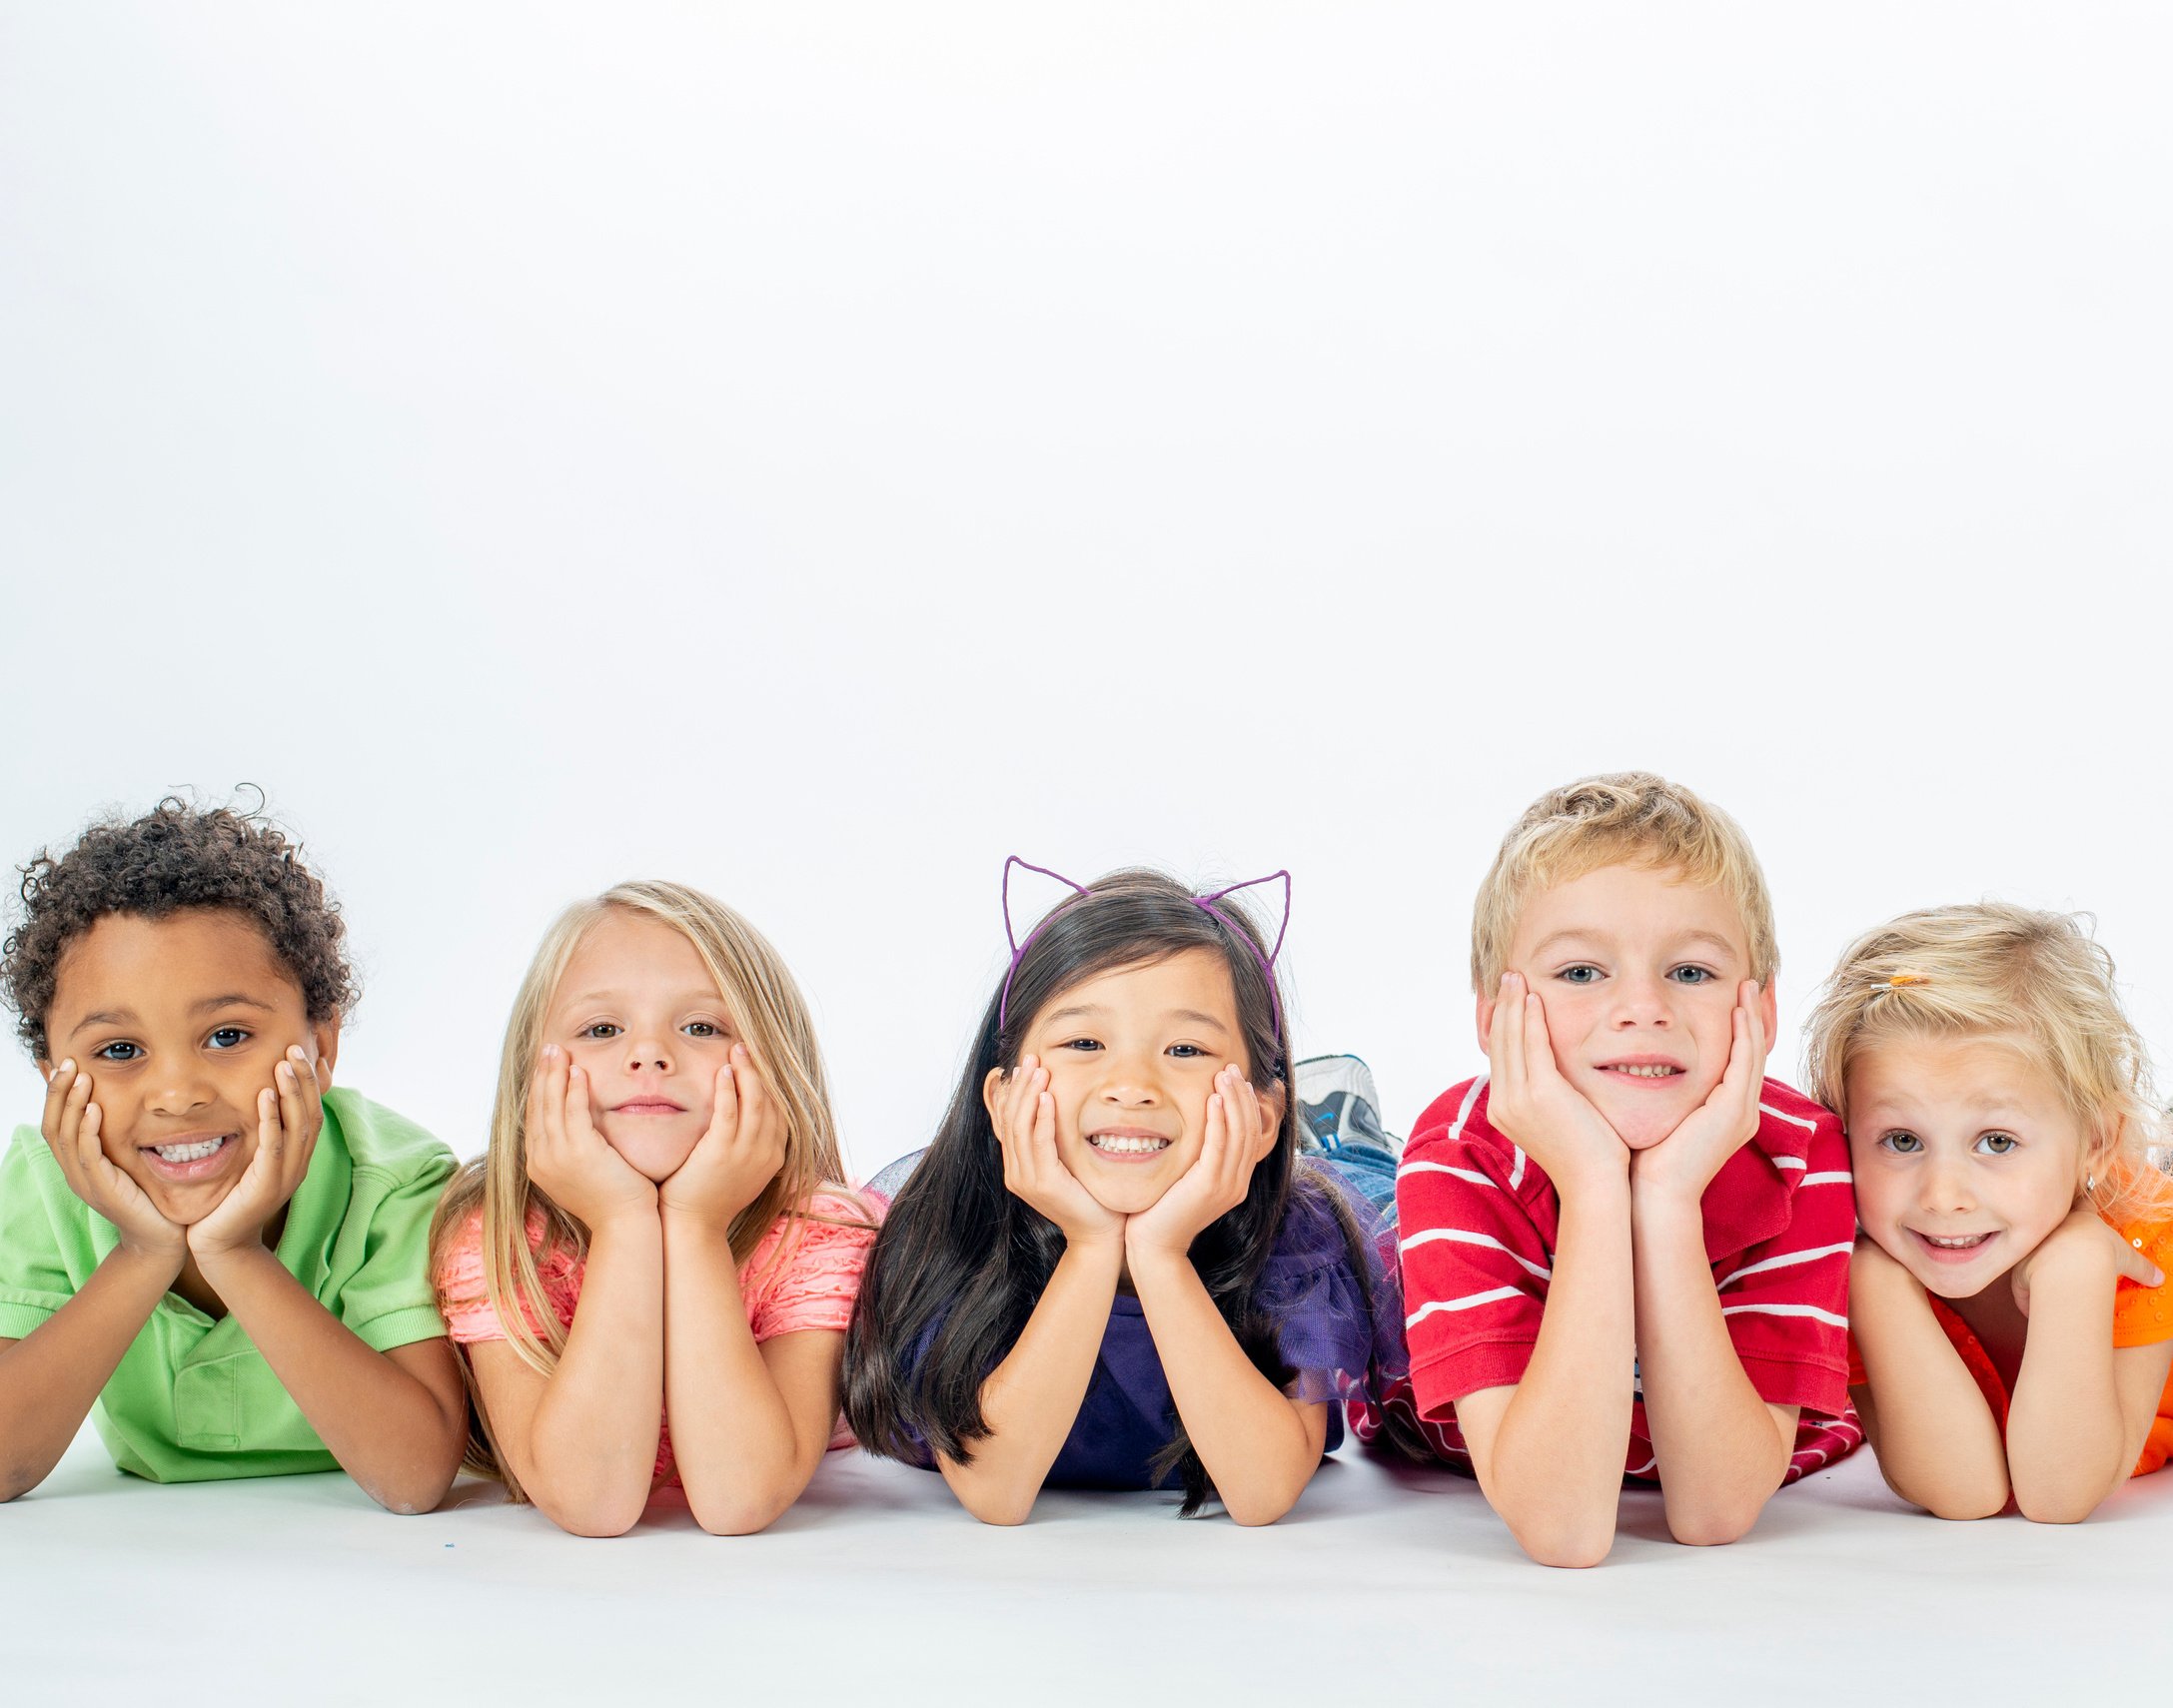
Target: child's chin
655, 1159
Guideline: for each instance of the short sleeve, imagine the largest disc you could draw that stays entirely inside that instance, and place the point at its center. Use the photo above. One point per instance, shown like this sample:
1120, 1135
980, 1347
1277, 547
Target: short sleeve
1786, 1299
388, 1300
1335, 1301
34, 1280
816, 1279
1474, 1268
2143, 1315
466, 1301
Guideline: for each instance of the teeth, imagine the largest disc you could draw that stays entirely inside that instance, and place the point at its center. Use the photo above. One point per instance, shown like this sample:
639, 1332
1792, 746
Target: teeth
1960, 1243
187, 1152
1127, 1146
1658, 1072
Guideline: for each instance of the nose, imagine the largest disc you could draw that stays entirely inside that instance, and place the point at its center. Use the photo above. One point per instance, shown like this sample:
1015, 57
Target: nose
648, 1051
1947, 1185
182, 1091
1639, 1003
1131, 1080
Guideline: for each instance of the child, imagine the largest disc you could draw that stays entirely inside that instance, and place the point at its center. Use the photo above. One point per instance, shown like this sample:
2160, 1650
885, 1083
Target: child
1999, 1114
203, 1237
1625, 1250
1110, 1270
653, 1231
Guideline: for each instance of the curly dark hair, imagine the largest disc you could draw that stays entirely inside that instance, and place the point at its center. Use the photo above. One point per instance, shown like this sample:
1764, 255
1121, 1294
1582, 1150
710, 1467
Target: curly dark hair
176, 856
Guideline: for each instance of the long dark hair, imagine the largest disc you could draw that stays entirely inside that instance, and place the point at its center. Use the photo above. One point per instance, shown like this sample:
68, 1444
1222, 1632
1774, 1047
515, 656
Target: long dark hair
960, 1263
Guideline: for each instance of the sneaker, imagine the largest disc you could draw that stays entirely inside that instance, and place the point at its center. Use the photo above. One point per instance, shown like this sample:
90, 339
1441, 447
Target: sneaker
1338, 1106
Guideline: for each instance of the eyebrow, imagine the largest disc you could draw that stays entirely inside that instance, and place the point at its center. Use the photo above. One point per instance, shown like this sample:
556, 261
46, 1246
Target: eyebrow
103, 1017
1585, 934
1095, 1011
685, 999
237, 1000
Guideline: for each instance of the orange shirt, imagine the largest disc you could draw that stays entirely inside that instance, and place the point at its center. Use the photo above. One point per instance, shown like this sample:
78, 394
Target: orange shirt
2142, 1316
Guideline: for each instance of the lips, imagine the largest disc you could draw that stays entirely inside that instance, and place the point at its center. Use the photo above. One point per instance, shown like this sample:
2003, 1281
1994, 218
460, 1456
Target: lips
190, 1155
1128, 1145
1645, 1069
1951, 1247
648, 1106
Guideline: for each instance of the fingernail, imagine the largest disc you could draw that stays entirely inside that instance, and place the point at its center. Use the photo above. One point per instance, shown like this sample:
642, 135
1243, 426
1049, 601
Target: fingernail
79, 1080
551, 1052
69, 1066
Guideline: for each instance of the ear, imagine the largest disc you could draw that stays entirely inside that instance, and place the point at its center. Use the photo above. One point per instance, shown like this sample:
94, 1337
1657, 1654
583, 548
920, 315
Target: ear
1769, 1010
2102, 1148
1273, 1102
1485, 1023
327, 1039
991, 1089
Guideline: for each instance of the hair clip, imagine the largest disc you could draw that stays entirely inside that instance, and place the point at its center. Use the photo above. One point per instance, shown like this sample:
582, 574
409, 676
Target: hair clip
1897, 981
1206, 904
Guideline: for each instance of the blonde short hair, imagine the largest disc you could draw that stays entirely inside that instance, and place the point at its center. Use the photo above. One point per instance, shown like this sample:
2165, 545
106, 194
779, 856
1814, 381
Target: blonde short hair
1994, 970
1626, 818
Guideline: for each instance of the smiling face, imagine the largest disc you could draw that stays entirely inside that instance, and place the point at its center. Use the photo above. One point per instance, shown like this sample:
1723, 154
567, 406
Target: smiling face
1965, 1157
178, 1022
1637, 974
638, 1012
1132, 1056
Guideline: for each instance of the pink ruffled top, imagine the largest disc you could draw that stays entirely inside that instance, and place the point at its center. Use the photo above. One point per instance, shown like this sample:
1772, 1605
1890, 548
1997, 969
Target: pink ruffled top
813, 1286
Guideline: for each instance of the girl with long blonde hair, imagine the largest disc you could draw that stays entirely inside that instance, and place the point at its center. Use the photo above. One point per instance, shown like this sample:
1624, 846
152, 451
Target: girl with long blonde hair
650, 1269
2013, 1328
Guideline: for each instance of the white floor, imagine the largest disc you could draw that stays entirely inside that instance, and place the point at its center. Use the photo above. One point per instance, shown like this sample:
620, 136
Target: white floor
1384, 1586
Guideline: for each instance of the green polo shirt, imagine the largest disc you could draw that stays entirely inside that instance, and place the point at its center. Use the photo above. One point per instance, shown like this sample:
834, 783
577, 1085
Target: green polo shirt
192, 1399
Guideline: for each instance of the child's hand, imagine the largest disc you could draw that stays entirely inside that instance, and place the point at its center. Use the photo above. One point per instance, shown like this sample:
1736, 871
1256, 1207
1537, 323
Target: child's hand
289, 1115
1685, 1162
1024, 1116
70, 1121
570, 1159
2085, 1245
1532, 1104
738, 1155
1238, 1138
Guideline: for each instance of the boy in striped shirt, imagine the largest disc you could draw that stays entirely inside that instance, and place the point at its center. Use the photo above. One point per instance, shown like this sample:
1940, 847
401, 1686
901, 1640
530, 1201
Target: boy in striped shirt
1625, 1250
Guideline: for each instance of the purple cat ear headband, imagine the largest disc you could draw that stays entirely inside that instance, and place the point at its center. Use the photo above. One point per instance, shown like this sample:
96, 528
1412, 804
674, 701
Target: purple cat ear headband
1206, 904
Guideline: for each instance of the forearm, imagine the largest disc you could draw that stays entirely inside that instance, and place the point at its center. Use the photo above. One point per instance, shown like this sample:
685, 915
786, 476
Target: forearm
50, 1379
1256, 1446
1555, 1465
388, 1432
1031, 1399
739, 1456
591, 1444
1718, 1451
2068, 1445
1936, 1441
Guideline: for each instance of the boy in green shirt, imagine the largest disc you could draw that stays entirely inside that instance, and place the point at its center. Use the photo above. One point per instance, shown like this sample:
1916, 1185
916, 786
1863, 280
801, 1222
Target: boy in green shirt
226, 1257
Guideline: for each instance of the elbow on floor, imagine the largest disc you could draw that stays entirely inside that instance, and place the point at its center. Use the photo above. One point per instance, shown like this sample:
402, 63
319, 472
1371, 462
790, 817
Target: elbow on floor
2059, 1508
1571, 1549
1713, 1529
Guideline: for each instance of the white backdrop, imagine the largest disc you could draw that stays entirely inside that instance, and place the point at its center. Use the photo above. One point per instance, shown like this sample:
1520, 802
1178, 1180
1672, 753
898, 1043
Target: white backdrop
813, 452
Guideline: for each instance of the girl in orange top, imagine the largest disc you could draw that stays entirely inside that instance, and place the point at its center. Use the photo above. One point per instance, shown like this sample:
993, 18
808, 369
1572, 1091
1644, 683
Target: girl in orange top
656, 1226
1999, 1122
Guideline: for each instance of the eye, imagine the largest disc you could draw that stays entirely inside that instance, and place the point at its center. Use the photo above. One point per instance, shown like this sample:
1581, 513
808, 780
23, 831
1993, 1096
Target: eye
1997, 1143
701, 1029
118, 1051
1693, 975
1902, 1143
228, 1037
1580, 975
1081, 1043
1186, 1052
601, 1029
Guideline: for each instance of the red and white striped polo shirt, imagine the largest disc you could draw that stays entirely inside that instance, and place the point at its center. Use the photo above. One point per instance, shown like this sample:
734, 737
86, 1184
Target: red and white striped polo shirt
1477, 1226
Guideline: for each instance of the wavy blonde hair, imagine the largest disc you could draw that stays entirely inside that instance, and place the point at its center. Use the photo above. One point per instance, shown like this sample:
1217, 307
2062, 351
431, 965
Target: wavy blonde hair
1625, 818
2037, 980
765, 1005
